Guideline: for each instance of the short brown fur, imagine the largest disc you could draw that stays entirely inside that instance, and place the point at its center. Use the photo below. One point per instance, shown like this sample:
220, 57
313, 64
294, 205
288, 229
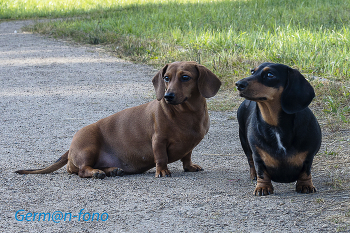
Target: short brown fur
150, 135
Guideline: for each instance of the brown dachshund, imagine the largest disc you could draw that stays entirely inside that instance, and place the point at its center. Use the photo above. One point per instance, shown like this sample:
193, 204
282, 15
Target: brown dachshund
150, 135
279, 134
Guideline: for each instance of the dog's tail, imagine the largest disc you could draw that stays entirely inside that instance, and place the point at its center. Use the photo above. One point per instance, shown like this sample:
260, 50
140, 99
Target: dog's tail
57, 165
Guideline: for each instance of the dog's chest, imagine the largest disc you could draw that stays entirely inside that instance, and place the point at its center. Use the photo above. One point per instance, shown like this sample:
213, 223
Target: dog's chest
275, 148
276, 137
192, 131
272, 140
187, 134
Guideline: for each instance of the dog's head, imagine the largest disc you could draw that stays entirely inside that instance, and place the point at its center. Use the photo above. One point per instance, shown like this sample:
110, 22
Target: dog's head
271, 81
179, 81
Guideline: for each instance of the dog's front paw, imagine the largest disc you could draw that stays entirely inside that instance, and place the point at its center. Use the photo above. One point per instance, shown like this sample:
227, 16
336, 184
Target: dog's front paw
263, 186
305, 185
263, 190
305, 188
193, 168
163, 173
99, 174
116, 172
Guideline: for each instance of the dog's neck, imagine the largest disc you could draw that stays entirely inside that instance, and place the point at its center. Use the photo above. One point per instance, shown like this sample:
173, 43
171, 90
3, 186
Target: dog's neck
190, 105
270, 111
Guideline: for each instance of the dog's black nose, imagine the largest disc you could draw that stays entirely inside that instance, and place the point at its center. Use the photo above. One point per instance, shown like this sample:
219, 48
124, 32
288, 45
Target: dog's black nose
241, 85
169, 96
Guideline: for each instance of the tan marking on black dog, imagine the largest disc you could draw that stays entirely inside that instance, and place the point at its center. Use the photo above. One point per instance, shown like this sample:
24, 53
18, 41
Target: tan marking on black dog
270, 112
297, 159
266, 69
267, 158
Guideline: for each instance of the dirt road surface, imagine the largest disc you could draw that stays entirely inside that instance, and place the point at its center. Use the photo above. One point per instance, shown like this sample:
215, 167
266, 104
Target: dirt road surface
50, 89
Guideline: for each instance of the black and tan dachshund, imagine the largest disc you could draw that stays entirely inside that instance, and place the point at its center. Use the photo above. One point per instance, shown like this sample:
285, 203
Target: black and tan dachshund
279, 134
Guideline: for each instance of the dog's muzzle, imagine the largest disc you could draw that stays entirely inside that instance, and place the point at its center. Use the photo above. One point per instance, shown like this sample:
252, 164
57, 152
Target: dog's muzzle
241, 85
169, 97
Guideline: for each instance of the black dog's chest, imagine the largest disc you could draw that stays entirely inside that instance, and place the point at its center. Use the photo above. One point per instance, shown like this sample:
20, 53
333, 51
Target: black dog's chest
274, 149
271, 140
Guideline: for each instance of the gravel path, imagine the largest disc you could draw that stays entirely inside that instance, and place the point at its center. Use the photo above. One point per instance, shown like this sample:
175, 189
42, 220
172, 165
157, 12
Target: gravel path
50, 89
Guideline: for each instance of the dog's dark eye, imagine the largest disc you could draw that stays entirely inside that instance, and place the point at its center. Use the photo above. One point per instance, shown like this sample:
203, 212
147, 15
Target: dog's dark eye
166, 79
270, 75
185, 78
252, 71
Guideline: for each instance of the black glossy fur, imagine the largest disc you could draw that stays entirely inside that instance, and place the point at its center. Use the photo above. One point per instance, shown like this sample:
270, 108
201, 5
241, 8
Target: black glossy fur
291, 138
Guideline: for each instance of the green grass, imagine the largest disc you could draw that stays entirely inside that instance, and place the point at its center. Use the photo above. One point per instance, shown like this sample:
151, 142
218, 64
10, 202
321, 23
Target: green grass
229, 37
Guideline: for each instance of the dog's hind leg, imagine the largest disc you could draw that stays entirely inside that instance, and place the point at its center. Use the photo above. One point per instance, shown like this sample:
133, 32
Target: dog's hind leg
248, 152
113, 171
188, 165
71, 168
89, 172
82, 163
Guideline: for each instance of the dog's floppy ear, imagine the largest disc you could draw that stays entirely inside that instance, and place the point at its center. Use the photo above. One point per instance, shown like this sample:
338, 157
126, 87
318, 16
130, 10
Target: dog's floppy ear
158, 83
208, 83
297, 94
